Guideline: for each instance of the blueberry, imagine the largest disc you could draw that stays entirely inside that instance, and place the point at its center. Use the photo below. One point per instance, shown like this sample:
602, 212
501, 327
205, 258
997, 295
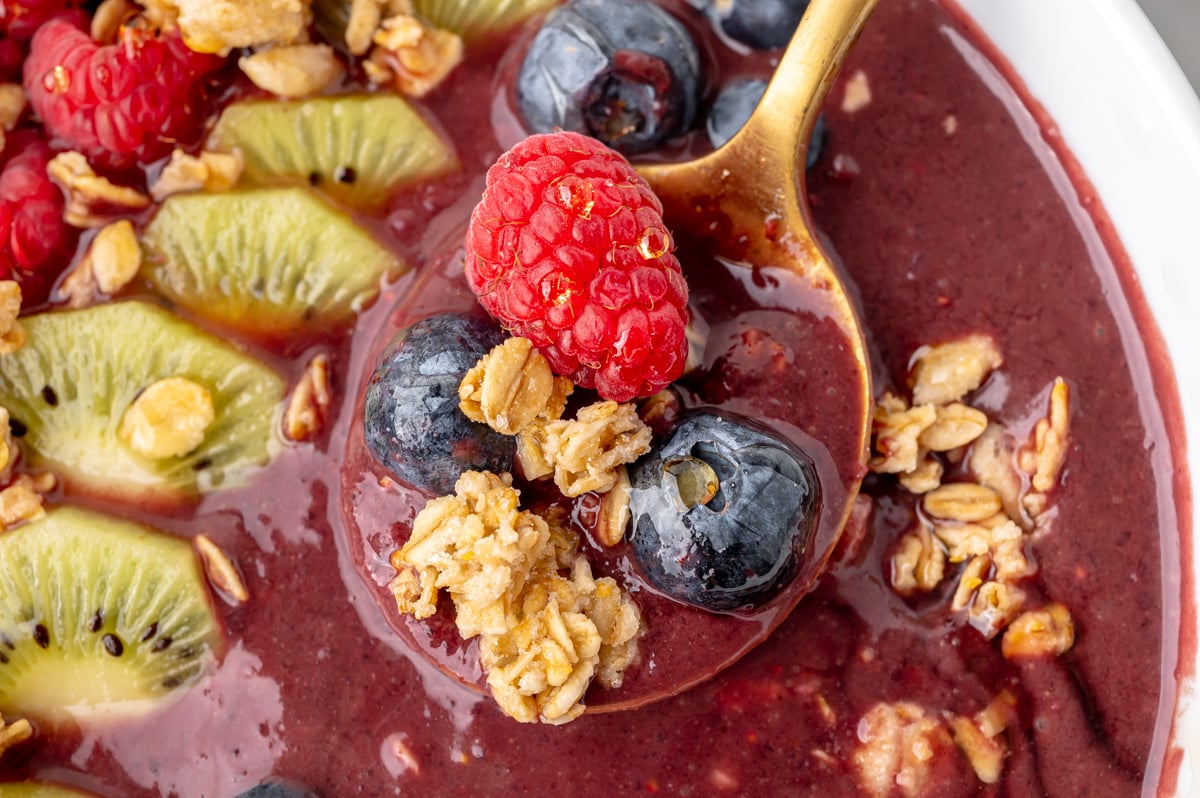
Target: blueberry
412, 423
733, 107
276, 790
723, 511
761, 24
623, 71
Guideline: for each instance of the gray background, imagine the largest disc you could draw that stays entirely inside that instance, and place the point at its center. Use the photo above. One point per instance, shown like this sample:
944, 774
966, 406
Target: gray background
1178, 22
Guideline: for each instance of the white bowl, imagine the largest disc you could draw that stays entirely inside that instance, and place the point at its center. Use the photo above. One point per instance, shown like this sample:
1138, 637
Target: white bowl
1127, 113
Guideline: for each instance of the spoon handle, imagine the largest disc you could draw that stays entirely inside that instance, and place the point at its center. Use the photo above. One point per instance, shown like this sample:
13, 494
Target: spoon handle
780, 127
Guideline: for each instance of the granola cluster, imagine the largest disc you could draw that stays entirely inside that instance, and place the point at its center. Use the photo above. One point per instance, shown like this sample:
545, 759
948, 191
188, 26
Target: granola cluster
400, 48
898, 744
547, 627
987, 520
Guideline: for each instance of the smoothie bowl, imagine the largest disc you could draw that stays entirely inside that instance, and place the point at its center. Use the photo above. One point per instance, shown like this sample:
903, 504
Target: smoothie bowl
371, 432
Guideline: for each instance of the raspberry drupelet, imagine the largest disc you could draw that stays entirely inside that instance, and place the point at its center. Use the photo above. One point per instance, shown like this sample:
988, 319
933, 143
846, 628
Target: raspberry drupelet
35, 243
568, 248
118, 104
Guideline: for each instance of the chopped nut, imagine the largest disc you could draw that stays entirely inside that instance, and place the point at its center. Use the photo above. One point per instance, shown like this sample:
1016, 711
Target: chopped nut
309, 405
91, 199
208, 171
962, 501
1050, 440
221, 571
361, 24
614, 513
858, 92
109, 17
112, 260
925, 477
956, 425
920, 562
897, 745
1047, 632
20, 502
993, 464
12, 335
896, 429
12, 106
979, 737
508, 388
417, 57
168, 419
534, 458
994, 607
970, 580
589, 450
13, 734
293, 70
1008, 553
964, 541
218, 26
947, 372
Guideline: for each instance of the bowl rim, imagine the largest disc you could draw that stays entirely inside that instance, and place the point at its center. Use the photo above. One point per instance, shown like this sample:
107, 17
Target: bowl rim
1124, 110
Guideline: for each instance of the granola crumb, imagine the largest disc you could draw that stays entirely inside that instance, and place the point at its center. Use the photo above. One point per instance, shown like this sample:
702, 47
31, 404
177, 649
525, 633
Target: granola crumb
221, 571
589, 450
207, 171
293, 70
511, 386
112, 260
920, 562
12, 334
20, 502
13, 734
91, 199
947, 372
310, 401
413, 56
168, 419
1047, 632
858, 92
896, 748
979, 738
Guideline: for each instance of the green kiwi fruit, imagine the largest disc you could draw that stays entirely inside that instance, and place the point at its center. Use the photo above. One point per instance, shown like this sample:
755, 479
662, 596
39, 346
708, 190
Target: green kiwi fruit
358, 149
68, 388
271, 261
39, 789
98, 615
470, 19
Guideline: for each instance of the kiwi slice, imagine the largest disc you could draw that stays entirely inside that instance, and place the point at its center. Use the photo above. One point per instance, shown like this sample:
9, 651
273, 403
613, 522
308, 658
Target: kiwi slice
98, 615
272, 261
358, 149
40, 789
68, 388
470, 19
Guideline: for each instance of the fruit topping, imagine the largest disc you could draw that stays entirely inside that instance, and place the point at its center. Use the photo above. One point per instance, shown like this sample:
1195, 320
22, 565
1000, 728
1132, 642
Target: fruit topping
71, 387
273, 261
118, 103
722, 511
761, 24
733, 107
35, 243
98, 615
472, 19
275, 789
358, 149
568, 248
40, 789
20, 19
412, 423
623, 71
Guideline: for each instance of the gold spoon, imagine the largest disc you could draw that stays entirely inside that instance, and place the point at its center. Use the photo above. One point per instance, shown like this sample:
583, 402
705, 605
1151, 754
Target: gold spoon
743, 204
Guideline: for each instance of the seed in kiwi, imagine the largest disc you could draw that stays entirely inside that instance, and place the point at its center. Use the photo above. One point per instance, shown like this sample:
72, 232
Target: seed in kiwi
357, 148
40, 789
270, 261
98, 615
95, 362
470, 19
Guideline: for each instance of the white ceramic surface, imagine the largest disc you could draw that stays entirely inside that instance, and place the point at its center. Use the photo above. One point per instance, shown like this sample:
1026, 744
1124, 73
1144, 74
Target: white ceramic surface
1127, 112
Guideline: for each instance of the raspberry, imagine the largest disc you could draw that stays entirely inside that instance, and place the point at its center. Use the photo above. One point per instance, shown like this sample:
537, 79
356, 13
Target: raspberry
119, 103
35, 243
20, 19
568, 248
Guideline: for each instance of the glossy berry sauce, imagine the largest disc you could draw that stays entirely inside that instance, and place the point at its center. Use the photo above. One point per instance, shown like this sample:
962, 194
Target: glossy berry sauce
943, 233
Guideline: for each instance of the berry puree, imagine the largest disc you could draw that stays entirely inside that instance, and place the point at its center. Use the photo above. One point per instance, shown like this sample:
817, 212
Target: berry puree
955, 212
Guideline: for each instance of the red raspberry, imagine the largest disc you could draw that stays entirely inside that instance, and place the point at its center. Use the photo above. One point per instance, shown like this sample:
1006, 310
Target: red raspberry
118, 103
20, 19
568, 248
35, 243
